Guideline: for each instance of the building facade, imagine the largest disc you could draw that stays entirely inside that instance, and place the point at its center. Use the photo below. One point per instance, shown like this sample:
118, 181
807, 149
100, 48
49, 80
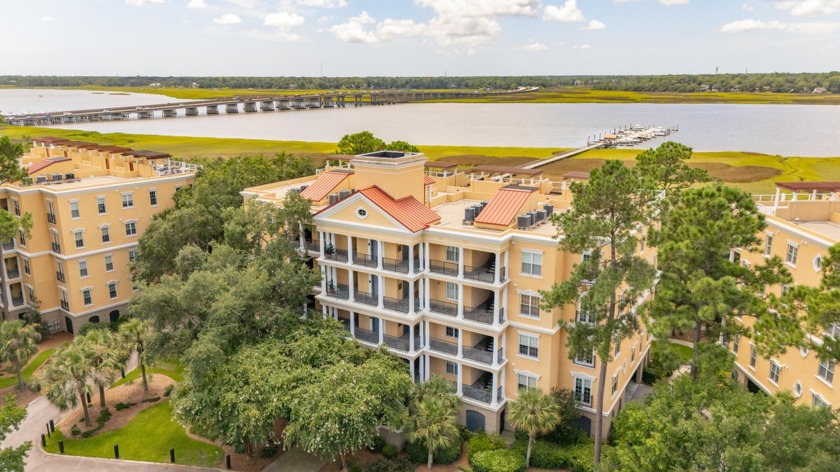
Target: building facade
803, 221
90, 204
445, 269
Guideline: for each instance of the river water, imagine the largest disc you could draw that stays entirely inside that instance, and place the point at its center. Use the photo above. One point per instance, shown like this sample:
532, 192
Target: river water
788, 130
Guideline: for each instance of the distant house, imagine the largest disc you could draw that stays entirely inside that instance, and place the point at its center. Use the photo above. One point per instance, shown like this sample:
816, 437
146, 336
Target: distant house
820, 90
704, 88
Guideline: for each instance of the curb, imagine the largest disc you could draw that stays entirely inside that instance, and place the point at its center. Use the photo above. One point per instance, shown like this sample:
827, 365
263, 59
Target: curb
122, 461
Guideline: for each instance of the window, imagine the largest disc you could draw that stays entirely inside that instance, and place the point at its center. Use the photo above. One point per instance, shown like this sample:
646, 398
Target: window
818, 402
752, 357
16, 206
735, 256
817, 263
109, 263
26, 268
80, 239
112, 289
132, 255
87, 296
583, 391
83, 272
529, 345
833, 330
451, 368
774, 372
451, 332
736, 340
768, 244
529, 305
586, 256
127, 200
360, 212
617, 347
106, 234
531, 263
584, 316
452, 254
792, 251
22, 237
451, 291
100, 205
153, 197
826, 370
31, 292
615, 383
74, 209
632, 354
525, 381
131, 228
586, 358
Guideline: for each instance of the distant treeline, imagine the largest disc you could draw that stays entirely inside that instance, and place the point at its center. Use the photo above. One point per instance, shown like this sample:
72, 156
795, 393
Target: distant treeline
775, 82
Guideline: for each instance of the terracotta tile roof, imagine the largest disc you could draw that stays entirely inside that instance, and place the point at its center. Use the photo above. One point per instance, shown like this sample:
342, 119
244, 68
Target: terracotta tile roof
802, 186
428, 180
45, 163
505, 205
408, 211
323, 185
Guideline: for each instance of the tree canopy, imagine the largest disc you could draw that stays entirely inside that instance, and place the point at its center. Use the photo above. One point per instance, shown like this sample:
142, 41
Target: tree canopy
11, 415
364, 142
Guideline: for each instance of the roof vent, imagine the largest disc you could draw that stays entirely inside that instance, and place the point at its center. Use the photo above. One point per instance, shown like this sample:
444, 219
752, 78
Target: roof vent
523, 221
541, 215
343, 194
549, 209
469, 215
334, 198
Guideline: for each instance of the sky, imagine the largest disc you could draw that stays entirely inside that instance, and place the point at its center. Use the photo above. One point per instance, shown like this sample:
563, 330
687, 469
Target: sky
416, 37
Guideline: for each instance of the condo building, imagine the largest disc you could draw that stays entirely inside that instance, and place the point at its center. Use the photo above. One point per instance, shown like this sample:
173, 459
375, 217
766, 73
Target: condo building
803, 221
90, 203
444, 268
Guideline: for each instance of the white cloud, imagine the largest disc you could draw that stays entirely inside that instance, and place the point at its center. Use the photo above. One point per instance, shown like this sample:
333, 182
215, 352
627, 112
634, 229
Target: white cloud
742, 26
283, 19
581, 46
196, 4
747, 7
808, 7
668, 3
353, 31
47, 18
227, 19
140, 3
281, 36
569, 12
534, 46
475, 8
474, 31
391, 28
323, 3
471, 52
472, 23
595, 25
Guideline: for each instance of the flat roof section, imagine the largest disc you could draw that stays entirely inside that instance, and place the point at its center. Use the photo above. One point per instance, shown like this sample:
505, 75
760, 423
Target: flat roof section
826, 228
506, 170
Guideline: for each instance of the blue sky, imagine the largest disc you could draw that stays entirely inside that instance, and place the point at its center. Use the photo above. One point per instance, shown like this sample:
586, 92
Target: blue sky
417, 37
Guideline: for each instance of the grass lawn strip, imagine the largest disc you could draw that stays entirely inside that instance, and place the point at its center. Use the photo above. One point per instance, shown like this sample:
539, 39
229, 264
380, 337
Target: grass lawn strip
173, 370
30, 369
683, 353
148, 437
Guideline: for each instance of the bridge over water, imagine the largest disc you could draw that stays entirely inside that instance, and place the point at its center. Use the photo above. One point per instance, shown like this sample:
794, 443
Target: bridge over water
247, 104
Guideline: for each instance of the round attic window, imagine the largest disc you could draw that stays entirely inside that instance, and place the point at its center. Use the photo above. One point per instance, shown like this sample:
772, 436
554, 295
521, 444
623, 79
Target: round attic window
797, 389
361, 213
817, 263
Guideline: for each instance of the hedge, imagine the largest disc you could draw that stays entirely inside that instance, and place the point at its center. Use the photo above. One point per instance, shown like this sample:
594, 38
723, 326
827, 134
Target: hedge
484, 442
418, 453
547, 455
499, 460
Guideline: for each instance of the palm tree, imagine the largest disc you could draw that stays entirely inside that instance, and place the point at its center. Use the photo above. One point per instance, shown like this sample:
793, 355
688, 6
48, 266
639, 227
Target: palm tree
67, 377
433, 411
105, 358
535, 413
18, 342
135, 333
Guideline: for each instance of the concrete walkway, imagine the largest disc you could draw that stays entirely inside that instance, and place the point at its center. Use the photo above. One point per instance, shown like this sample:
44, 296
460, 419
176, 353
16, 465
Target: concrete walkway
295, 460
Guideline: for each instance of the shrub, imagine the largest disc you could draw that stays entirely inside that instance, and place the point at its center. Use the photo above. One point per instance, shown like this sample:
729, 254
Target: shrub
484, 442
547, 455
123, 406
500, 460
391, 465
150, 399
354, 468
75, 431
89, 434
268, 451
389, 451
103, 417
418, 453
168, 390
378, 444
567, 431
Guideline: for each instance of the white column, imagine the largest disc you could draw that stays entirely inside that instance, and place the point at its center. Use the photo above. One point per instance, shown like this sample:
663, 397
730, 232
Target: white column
380, 254
460, 379
493, 394
460, 342
460, 262
507, 264
427, 292
411, 259
411, 369
381, 330
496, 276
427, 257
323, 279
502, 383
813, 194
411, 347
460, 300
411, 297
351, 281
503, 345
301, 238
497, 301
349, 249
505, 303
381, 280
428, 372
321, 234
427, 334
495, 351
353, 324
422, 256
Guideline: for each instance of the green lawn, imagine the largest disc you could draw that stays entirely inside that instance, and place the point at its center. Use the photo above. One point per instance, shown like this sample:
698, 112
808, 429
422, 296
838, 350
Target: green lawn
148, 437
683, 353
29, 369
171, 369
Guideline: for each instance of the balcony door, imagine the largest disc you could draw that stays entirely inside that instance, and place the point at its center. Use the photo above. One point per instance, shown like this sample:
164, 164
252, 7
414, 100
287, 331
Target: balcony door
373, 250
374, 286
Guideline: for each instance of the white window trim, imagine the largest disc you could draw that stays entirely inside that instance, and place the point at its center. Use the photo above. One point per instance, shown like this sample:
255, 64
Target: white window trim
157, 200
78, 210
535, 252
539, 303
116, 284
787, 251
817, 267
519, 343
87, 269
358, 212
822, 398
584, 364
591, 387
770, 373
772, 237
105, 258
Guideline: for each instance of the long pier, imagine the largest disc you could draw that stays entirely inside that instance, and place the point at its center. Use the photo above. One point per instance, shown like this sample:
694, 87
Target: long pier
246, 104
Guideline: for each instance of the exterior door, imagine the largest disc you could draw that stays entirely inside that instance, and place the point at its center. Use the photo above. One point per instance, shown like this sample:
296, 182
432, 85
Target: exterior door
374, 286
475, 421
374, 325
373, 250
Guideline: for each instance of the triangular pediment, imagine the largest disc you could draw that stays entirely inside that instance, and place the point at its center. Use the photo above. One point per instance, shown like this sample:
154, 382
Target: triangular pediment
357, 210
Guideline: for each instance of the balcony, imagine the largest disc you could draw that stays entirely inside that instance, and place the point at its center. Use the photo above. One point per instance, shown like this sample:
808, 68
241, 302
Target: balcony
443, 346
395, 304
482, 313
364, 260
17, 301
312, 245
481, 389
367, 336
444, 267
338, 291
8, 245
60, 276
443, 307
56, 247
339, 255
13, 273
403, 342
51, 218
366, 298
485, 273
64, 305
395, 265
481, 352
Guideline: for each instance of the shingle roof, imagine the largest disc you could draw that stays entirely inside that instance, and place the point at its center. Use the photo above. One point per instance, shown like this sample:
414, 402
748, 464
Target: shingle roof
505, 205
45, 163
323, 185
408, 211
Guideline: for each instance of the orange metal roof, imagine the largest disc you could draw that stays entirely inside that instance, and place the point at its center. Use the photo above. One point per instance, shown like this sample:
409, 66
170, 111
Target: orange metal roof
408, 211
505, 205
428, 180
323, 185
44, 164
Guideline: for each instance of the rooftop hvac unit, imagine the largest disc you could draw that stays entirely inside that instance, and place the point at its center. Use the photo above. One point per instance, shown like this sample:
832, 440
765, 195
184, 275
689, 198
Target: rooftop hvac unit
523, 221
69, 176
483, 204
294, 190
40, 179
549, 209
303, 187
469, 215
533, 216
541, 215
57, 177
334, 198
343, 194
477, 209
